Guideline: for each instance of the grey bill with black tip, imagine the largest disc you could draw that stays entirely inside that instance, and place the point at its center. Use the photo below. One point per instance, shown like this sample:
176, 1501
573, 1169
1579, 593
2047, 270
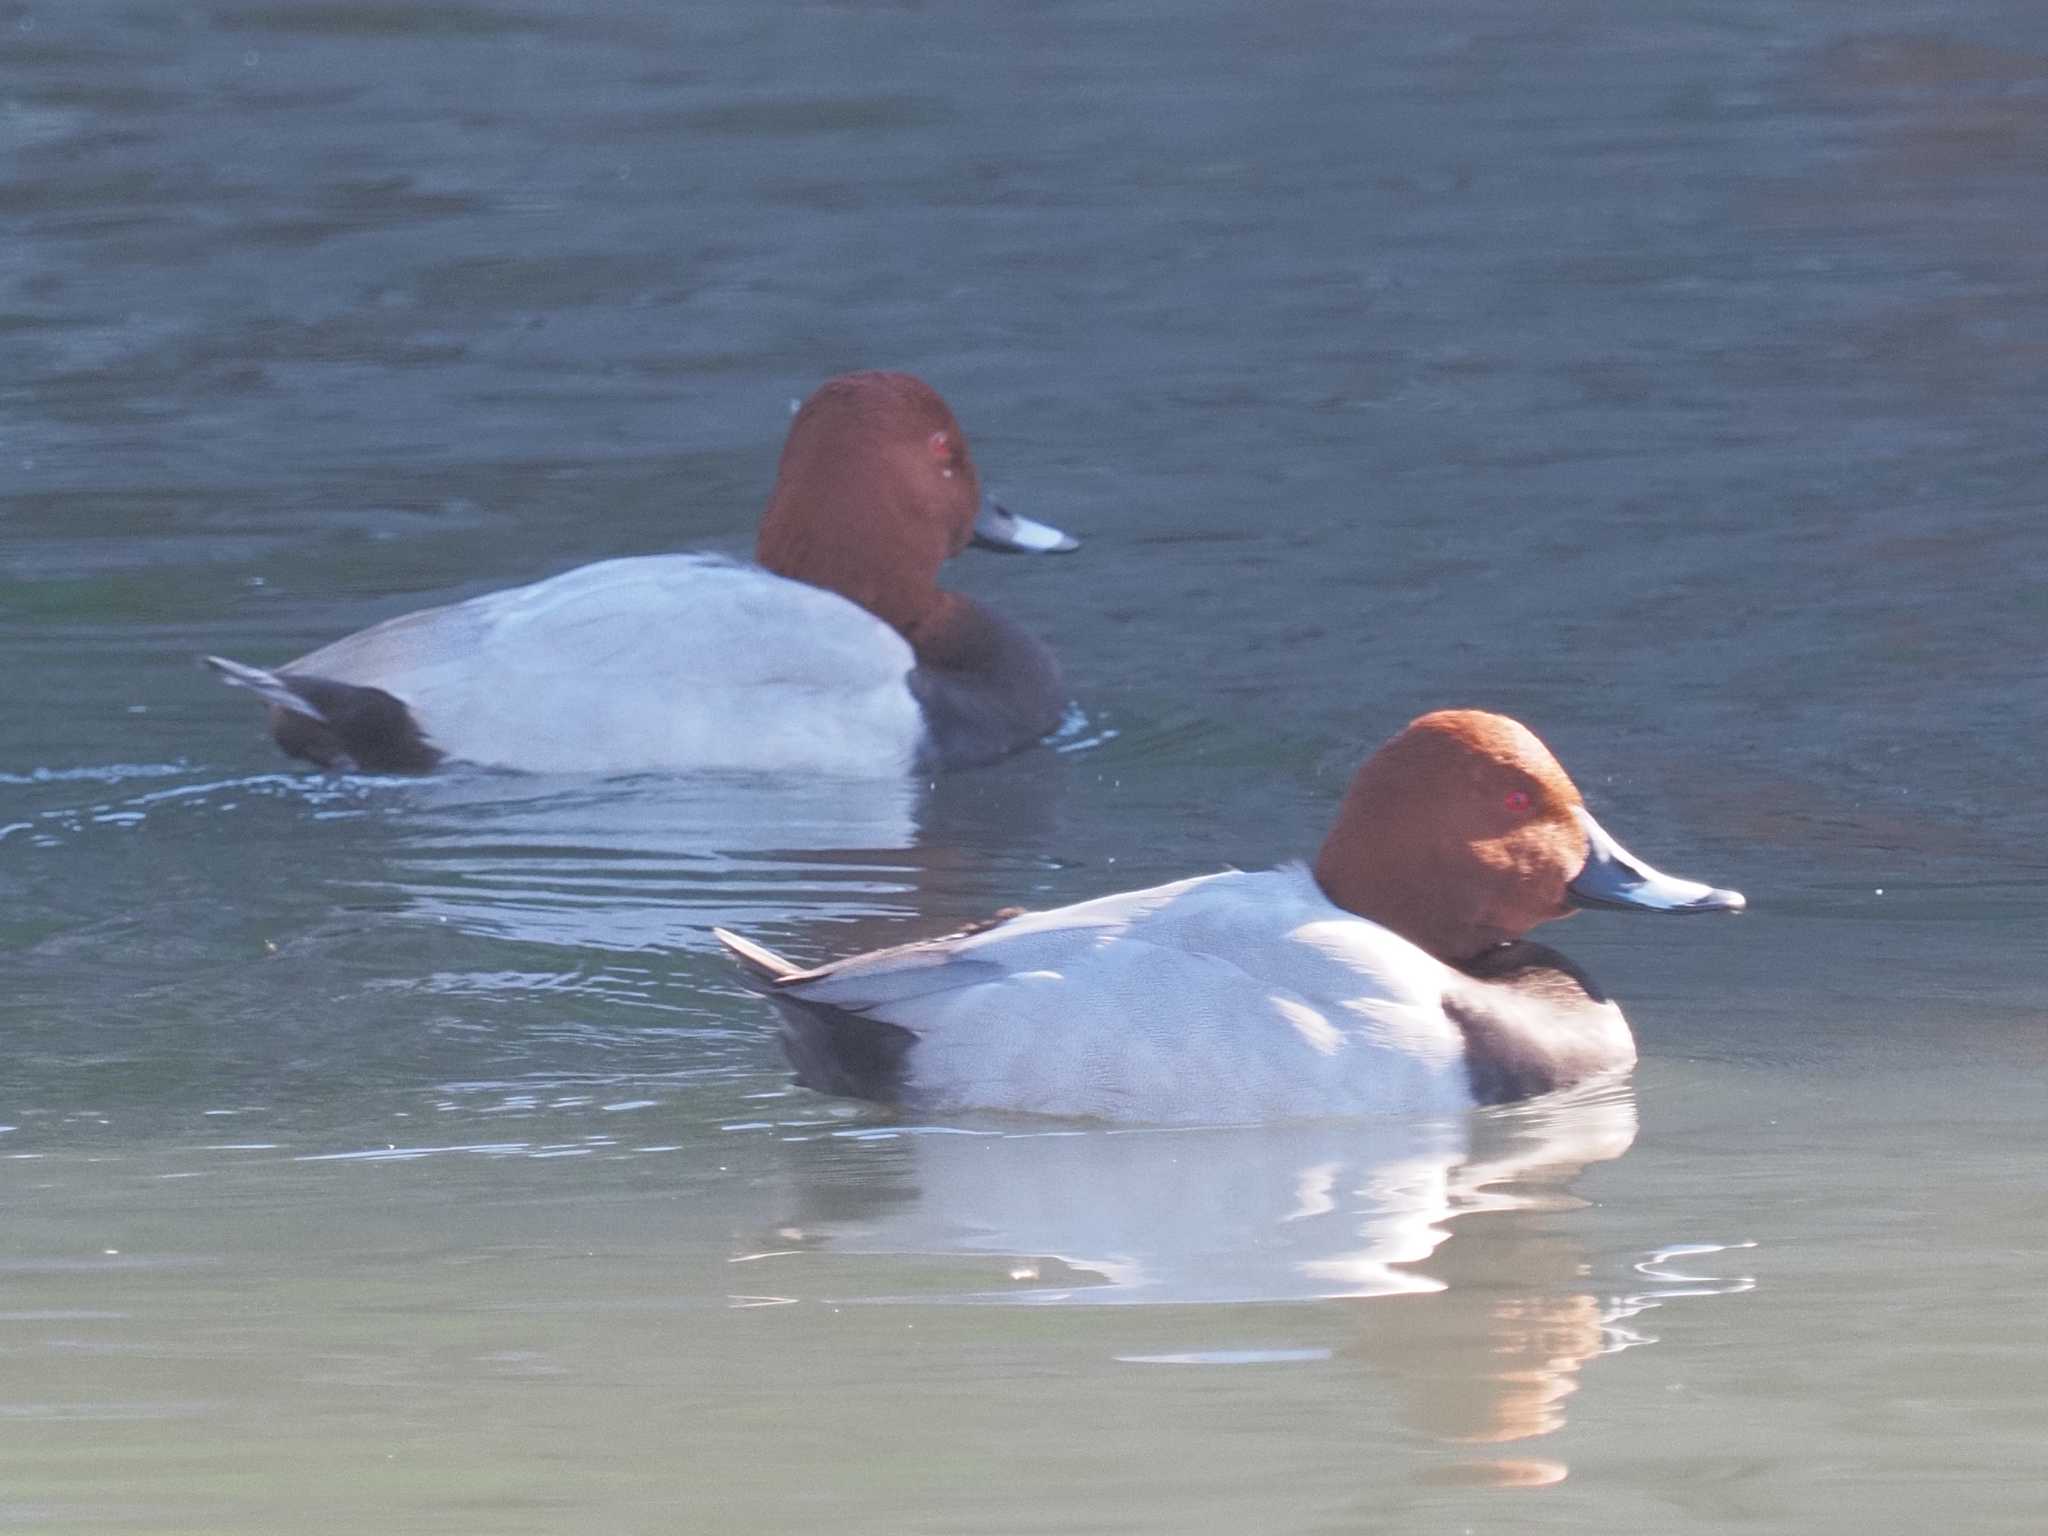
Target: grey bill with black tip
998, 528
1614, 877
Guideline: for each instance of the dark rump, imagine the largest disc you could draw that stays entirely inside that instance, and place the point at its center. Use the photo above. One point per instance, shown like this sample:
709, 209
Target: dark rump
366, 730
837, 1051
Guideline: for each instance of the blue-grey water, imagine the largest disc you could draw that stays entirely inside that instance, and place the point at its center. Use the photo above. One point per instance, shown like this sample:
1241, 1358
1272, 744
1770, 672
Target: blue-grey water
400, 1156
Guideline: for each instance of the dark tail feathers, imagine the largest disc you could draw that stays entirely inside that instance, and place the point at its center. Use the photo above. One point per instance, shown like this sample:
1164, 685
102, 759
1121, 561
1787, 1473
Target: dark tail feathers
343, 727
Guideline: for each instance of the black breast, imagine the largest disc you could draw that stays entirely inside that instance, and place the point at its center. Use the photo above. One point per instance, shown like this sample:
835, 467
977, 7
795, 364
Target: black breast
997, 689
1533, 1023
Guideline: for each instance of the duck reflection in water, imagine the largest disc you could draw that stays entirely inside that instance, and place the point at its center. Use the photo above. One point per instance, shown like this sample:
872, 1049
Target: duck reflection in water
1473, 1300
647, 863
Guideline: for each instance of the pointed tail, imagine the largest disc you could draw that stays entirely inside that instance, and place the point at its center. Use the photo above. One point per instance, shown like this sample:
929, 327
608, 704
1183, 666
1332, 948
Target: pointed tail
764, 963
267, 686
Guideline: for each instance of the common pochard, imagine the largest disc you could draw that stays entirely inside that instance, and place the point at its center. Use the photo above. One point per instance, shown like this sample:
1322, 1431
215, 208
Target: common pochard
1392, 976
838, 653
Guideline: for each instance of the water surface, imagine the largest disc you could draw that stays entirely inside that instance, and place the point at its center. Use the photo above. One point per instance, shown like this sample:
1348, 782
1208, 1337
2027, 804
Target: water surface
401, 1155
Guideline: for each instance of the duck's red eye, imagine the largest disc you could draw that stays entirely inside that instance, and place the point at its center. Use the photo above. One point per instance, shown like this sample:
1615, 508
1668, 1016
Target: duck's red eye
941, 446
1517, 800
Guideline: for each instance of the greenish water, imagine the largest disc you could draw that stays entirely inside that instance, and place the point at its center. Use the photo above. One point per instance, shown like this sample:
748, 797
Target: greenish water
402, 1156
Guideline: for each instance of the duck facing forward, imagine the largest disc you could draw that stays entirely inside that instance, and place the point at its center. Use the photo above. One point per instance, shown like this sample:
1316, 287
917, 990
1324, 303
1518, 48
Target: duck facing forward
837, 653
1392, 976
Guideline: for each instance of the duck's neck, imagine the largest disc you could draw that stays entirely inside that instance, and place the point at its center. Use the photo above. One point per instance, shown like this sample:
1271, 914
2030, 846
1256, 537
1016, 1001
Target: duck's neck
955, 633
1427, 916
862, 549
